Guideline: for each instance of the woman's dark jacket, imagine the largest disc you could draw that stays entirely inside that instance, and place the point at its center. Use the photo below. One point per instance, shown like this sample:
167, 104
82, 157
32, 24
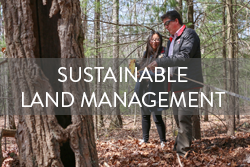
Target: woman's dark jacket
155, 87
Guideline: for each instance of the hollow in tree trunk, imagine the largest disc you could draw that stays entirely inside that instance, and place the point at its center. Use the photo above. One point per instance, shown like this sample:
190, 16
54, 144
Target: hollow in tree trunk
47, 29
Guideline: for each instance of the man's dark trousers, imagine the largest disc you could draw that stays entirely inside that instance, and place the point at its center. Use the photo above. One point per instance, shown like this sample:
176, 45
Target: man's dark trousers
183, 117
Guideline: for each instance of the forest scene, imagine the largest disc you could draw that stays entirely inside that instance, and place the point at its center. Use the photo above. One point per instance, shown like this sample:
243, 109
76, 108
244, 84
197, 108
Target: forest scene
74, 75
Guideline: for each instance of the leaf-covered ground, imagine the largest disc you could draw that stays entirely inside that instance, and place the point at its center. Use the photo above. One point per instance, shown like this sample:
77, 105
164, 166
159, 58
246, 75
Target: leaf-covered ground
224, 151
120, 147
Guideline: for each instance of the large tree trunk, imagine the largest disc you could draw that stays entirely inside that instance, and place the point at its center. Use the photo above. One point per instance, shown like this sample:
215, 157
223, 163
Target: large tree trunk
36, 29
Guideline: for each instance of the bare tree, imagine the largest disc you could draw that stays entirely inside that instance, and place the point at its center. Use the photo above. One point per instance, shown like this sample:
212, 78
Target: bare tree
190, 5
179, 7
224, 54
117, 119
230, 47
237, 107
196, 116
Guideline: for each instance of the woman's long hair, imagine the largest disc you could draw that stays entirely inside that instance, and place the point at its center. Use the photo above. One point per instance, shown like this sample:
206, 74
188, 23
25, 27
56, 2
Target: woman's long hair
150, 51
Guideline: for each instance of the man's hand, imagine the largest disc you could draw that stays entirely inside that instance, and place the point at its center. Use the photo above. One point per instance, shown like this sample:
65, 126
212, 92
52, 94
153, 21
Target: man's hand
152, 66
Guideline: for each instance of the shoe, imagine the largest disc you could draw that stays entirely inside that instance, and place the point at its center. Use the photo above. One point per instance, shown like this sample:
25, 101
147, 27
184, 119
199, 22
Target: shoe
163, 144
141, 141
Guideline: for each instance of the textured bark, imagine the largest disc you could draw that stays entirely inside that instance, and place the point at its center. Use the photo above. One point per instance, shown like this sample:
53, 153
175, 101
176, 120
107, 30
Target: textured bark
81, 136
10, 124
30, 33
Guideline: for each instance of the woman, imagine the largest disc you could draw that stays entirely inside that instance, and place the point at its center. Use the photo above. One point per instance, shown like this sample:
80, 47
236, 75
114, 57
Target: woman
154, 50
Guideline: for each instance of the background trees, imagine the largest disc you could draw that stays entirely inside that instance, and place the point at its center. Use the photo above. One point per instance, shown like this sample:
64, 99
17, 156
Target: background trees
119, 28
223, 32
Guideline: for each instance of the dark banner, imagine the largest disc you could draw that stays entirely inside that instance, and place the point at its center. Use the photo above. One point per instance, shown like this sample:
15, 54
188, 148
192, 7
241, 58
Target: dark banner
100, 86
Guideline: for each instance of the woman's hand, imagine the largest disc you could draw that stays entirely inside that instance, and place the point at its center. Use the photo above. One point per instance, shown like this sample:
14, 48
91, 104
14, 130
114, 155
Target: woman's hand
138, 74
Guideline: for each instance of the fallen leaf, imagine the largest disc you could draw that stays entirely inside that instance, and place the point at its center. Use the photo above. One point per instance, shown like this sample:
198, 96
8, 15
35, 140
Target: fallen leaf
3, 49
132, 66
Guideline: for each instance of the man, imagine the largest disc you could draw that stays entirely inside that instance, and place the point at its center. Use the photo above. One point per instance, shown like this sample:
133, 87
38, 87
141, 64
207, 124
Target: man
182, 49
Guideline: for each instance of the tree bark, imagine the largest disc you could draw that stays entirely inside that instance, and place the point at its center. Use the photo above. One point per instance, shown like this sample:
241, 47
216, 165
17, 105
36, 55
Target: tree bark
48, 30
207, 92
224, 53
190, 13
179, 7
206, 89
10, 124
230, 46
98, 60
196, 118
116, 119
237, 101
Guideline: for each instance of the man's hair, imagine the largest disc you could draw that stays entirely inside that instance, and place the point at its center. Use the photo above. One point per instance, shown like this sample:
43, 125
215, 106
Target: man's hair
173, 14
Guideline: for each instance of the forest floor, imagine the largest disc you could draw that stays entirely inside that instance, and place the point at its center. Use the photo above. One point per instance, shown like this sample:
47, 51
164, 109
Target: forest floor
120, 147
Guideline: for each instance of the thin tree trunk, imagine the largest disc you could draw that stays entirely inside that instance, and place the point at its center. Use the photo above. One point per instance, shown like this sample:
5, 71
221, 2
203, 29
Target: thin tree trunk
230, 46
224, 53
179, 7
190, 13
117, 119
206, 104
98, 59
85, 23
44, 140
196, 117
101, 117
237, 101
206, 88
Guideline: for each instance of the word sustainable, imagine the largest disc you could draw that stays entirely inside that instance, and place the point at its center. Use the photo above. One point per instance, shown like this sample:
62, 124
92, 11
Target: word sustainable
110, 74
117, 99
